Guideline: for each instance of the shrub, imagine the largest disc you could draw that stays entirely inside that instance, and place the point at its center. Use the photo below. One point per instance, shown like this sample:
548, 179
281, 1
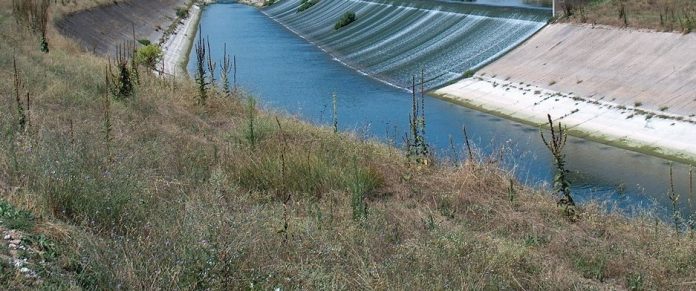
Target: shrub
346, 19
306, 4
149, 55
182, 12
14, 218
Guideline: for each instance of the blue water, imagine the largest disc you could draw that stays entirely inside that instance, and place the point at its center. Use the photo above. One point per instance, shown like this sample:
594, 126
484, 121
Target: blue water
394, 42
288, 74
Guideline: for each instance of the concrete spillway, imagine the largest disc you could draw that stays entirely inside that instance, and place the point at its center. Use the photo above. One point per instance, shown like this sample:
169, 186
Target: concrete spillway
393, 41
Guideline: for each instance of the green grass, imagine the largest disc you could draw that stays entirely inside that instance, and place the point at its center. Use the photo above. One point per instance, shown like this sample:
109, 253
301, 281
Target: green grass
179, 198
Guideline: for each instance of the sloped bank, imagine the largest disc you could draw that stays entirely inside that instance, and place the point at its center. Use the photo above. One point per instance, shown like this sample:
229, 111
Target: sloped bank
393, 41
628, 88
100, 29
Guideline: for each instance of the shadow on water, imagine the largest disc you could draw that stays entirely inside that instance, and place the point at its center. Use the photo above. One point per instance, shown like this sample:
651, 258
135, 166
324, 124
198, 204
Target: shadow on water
290, 75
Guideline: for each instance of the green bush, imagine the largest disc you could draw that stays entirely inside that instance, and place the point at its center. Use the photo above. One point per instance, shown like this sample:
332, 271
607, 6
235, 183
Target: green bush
14, 218
346, 19
182, 12
149, 55
306, 4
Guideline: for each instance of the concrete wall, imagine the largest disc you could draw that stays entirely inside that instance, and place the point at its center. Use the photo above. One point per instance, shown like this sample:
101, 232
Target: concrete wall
620, 65
100, 29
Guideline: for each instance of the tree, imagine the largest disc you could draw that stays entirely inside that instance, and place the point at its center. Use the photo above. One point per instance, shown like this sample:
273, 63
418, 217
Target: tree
149, 56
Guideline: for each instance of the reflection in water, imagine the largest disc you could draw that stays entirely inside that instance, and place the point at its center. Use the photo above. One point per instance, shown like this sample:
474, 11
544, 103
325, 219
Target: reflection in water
289, 74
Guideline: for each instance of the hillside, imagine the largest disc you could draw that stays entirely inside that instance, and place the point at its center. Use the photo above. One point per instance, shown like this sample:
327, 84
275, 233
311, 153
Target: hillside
660, 15
155, 191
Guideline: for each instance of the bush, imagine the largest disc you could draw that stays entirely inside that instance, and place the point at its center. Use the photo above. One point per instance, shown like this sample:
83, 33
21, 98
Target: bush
182, 12
346, 19
149, 55
306, 4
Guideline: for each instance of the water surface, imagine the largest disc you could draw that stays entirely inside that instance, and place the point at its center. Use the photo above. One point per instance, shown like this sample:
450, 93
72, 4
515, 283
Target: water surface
289, 74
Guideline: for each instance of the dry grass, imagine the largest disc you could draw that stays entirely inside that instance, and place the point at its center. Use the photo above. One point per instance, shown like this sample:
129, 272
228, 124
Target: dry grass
186, 202
660, 15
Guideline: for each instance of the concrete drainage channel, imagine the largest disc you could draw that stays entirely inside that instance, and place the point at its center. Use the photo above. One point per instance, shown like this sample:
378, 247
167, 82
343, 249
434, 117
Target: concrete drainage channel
100, 29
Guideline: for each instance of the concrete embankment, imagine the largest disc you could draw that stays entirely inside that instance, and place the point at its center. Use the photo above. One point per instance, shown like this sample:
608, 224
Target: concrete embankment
629, 88
177, 46
101, 29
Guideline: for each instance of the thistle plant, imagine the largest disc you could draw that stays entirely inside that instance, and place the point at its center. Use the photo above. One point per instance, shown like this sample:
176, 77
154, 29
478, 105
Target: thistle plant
416, 145
200, 69
225, 71
558, 140
334, 115
211, 65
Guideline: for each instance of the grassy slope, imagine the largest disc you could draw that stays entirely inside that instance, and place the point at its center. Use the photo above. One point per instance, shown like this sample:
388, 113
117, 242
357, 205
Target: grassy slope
661, 15
185, 200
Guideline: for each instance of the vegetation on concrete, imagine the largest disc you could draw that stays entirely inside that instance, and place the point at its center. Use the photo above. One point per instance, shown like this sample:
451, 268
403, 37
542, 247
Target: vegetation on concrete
182, 12
159, 192
306, 4
661, 15
346, 19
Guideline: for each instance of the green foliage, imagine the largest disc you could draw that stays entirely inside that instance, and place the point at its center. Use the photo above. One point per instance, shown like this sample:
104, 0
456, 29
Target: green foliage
251, 114
346, 19
43, 46
148, 56
306, 4
469, 73
417, 148
334, 113
124, 82
201, 72
558, 140
84, 188
182, 12
14, 218
144, 41
18, 87
121, 84
593, 267
267, 3
33, 14
634, 282
361, 183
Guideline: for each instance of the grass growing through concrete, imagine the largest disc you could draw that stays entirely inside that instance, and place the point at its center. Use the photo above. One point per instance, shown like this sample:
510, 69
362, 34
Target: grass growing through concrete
175, 195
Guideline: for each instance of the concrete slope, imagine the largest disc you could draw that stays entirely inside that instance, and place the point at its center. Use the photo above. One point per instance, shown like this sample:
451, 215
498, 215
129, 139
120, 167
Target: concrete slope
99, 29
393, 41
626, 66
628, 88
